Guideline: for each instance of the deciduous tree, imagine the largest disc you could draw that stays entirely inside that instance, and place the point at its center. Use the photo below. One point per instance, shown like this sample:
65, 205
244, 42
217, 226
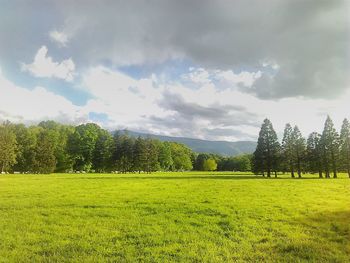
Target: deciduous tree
8, 147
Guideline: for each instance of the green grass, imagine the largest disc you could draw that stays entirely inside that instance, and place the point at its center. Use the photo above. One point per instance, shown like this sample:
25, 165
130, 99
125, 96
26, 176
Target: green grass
193, 217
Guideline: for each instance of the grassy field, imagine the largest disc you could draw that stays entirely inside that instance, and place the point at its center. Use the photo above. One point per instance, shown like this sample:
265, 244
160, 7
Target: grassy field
194, 217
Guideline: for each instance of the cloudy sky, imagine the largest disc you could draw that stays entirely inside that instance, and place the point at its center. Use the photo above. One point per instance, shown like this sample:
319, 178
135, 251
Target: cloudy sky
202, 69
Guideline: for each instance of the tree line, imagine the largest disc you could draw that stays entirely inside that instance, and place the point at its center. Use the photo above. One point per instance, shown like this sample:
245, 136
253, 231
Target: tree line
324, 154
53, 147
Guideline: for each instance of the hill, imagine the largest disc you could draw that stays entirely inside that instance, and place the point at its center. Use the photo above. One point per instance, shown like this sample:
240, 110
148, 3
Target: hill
204, 146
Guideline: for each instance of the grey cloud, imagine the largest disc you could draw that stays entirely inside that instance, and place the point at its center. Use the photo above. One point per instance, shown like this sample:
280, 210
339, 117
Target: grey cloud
228, 132
226, 115
184, 117
308, 39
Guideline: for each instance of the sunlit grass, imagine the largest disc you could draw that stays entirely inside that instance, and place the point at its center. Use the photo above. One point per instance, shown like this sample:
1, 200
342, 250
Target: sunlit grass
164, 217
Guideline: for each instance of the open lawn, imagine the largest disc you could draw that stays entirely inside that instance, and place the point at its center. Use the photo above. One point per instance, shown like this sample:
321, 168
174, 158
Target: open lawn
193, 217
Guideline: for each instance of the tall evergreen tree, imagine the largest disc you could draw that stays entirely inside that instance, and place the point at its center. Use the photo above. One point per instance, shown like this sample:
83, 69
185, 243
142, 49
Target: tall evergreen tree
102, 154
140, 155
267, 151
330, 143
314, 153
152, 163
345, 146
287, 149
299, 148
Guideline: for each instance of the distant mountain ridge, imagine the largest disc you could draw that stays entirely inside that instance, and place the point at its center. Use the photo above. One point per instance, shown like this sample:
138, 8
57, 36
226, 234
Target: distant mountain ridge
204, 146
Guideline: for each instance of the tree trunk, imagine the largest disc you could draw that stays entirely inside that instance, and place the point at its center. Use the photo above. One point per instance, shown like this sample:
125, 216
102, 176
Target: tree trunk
299, 168
268, 172
275, 174
292, 172
334, 166
263, 174
320, 174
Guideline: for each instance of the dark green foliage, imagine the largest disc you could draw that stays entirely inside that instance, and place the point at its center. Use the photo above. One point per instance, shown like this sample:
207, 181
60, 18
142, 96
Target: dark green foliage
102, 153
267, 153
199, 163
298, 150
151, 164
123, 155
314, 153
330, 142
345, 146
287, 150
242, 163
81, 145
140, 155
44, 155
59, 135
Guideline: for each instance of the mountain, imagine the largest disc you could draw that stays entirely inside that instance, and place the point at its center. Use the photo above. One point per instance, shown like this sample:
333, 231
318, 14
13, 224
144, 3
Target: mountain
204, 146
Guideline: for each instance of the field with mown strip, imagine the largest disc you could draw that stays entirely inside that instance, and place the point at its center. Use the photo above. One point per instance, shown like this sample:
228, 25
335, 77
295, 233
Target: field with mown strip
172, 217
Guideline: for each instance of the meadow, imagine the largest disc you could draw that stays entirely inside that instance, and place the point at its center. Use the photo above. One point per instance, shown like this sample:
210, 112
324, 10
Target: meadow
173, 217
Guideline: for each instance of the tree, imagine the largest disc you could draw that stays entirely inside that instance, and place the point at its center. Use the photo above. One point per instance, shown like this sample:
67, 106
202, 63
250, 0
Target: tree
266, 155
140, 155
299, 148
209, 165
200, 159
242, 163
287, 149
314, 153
8, 147
123, 152
26, 141
164, 156
81, 145
345, 146
44, 160
59, 135
102, 154
330, 143
151, 164
181, 156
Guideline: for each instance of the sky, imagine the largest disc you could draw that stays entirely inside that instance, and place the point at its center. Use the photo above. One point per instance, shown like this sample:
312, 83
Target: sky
199, 68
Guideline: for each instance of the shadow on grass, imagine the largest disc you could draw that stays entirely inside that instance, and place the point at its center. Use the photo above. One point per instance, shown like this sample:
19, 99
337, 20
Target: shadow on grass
328, 239
187, 177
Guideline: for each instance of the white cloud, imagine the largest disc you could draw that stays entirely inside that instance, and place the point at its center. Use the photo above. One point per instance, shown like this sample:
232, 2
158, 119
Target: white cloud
125, 100
207, 112
141, 105
18, 104
43, 66
60, 37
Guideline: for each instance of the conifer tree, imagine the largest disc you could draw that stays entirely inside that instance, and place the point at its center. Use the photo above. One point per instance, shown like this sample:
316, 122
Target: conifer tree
330, 143
140, 155
314, 153
267, 152
287, 149
299, 148
345, 146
